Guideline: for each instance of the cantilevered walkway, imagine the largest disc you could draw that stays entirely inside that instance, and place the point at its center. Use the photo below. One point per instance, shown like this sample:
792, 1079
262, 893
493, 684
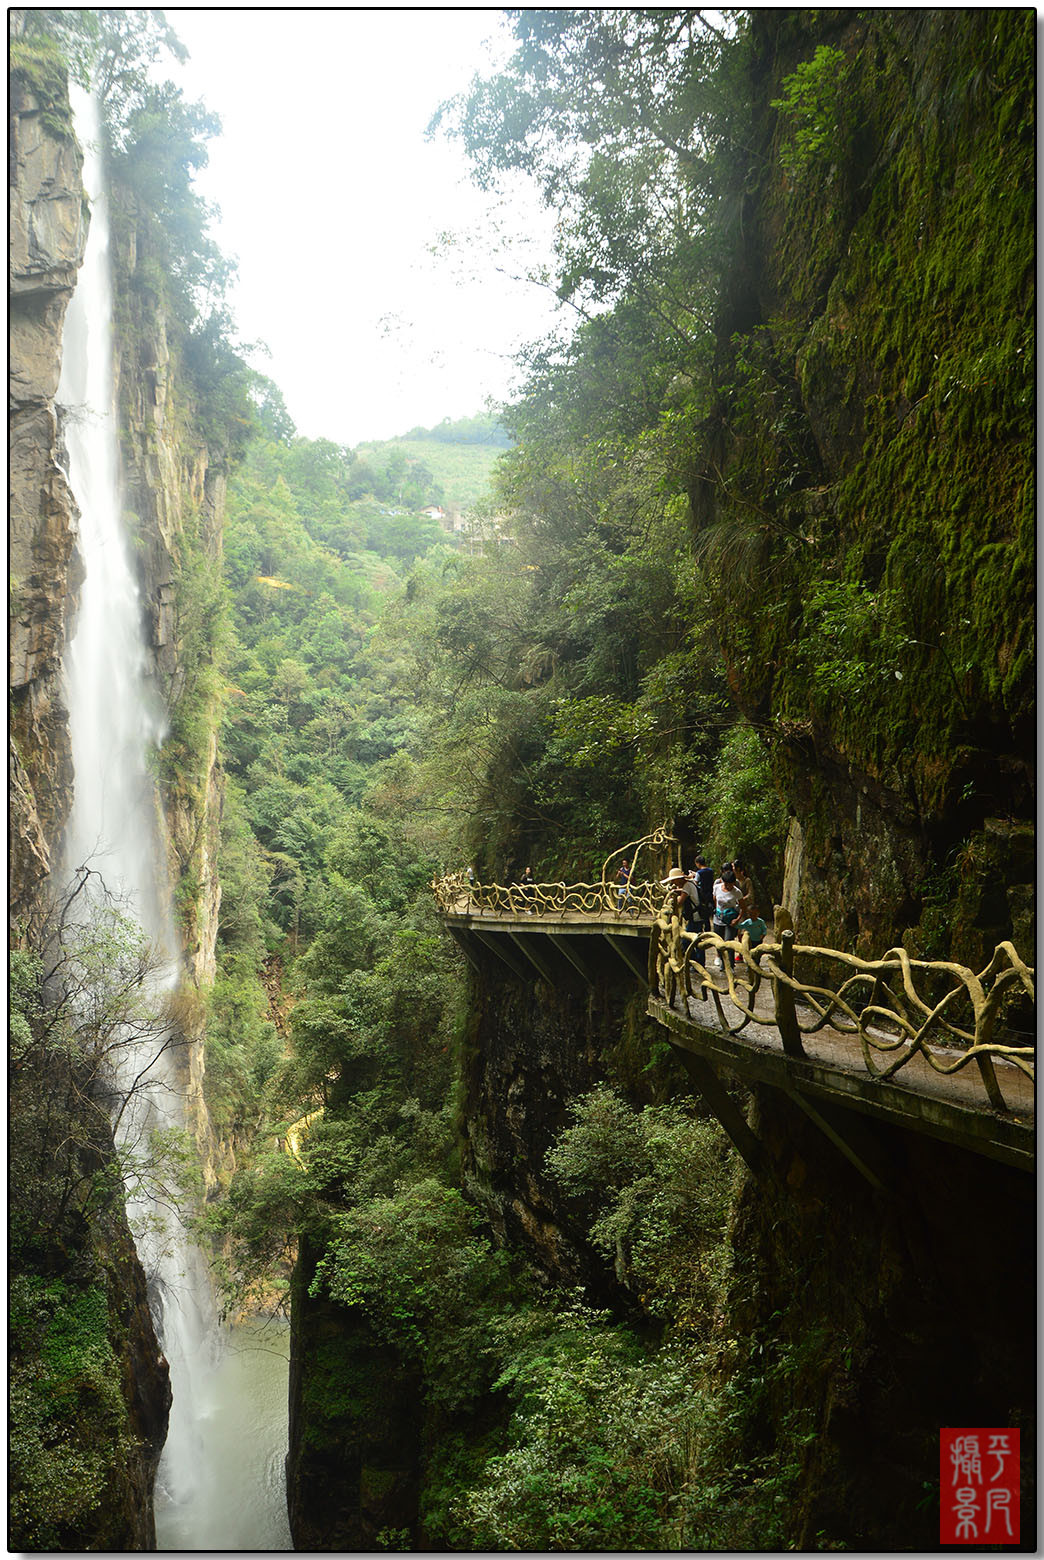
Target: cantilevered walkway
921, 1044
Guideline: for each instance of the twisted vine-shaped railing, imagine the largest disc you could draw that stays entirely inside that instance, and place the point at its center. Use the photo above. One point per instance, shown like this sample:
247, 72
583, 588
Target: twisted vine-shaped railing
455, 895
878, 1000
458, 894
900, 1007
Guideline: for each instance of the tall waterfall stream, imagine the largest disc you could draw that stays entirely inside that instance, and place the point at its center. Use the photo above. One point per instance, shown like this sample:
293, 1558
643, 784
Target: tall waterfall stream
220, 1483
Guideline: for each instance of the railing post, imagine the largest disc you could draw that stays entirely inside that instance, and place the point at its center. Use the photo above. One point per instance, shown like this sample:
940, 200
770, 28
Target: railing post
654, 959
983, 1036
786, 1012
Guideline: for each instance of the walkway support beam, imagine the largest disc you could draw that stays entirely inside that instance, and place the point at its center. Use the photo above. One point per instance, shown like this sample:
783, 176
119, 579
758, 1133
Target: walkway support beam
527, 947
637, 966
498, 944
706, 1082
575, 959
850, 1137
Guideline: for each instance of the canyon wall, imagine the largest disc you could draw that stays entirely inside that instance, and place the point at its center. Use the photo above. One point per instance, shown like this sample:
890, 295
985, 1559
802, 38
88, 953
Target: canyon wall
115, 1426
533, 1050
48, 231
173, 497
870, 456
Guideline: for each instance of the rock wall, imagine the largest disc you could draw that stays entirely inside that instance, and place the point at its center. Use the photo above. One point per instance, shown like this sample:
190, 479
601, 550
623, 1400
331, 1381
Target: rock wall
48, 231
532, 1051
173, 496
871, 456
865, 1322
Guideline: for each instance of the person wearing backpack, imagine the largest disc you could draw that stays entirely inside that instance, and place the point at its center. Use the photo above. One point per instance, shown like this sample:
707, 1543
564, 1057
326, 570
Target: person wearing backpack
704, 877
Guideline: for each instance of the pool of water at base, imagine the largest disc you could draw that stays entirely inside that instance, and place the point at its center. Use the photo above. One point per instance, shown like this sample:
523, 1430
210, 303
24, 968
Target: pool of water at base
240, 1501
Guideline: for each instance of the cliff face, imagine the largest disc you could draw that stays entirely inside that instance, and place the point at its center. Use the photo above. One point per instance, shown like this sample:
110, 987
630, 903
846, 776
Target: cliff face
532, 1051
862, 1322
173, 495
872, 450
174, 498
48, 230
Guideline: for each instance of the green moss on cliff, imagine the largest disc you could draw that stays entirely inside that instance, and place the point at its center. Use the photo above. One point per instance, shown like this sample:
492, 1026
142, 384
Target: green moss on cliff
38, 65
878, 427
69, 1425
89, 1392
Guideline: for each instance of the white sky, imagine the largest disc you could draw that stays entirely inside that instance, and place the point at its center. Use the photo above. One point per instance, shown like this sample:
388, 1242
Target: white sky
330, 200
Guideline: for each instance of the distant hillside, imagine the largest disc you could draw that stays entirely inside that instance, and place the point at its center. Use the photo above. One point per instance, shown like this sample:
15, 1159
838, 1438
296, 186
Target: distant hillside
466, 430
459, 455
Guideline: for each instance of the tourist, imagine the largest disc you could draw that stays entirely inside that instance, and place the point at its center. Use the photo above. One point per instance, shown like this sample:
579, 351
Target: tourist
745, 884
682, 900
727, 898
704, 880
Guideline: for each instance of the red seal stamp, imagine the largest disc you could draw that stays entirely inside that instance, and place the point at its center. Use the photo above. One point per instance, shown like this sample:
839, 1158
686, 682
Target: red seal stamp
979, 1486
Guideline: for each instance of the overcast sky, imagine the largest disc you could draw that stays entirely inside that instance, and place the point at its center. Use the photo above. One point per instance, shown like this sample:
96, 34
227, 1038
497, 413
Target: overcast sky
332, 200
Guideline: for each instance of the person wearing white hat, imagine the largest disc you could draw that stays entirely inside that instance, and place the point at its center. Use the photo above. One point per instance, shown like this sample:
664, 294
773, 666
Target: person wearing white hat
684, 901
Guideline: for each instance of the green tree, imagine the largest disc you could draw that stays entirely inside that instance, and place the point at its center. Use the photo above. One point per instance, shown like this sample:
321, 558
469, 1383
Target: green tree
618, 117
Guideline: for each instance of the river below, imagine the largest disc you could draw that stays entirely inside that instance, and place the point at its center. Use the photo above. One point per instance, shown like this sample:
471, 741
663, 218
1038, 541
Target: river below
240, 1501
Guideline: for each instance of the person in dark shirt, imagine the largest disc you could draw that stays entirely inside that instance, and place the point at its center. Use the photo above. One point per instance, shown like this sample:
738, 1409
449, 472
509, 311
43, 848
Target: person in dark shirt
704, 879
745, 884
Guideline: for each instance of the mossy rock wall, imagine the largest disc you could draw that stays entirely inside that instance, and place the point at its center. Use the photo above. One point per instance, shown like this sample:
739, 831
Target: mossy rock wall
864, 1322
532, 1051
173, 491
89, 1387
353, 1470
872, 448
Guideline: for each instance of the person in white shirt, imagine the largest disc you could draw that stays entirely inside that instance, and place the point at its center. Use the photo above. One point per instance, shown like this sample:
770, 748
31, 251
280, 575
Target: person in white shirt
727, 900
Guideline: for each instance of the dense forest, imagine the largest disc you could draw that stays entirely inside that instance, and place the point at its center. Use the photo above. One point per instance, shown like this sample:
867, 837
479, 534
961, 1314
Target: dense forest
762, 572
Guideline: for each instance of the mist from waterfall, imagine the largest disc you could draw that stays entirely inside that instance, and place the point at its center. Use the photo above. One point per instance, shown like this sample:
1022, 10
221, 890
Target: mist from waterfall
116, 724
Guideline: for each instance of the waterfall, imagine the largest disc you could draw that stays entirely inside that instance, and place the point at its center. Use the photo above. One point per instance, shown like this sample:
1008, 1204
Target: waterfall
116, 723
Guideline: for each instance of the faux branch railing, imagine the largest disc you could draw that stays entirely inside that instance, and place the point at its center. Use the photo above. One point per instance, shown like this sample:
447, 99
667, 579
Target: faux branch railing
456, 894
900, 1007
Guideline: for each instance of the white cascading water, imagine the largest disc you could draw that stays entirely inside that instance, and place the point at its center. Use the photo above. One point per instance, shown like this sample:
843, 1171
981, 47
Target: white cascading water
116, 724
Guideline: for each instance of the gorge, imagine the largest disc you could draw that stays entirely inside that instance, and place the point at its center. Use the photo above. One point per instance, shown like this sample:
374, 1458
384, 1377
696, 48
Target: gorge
762, 568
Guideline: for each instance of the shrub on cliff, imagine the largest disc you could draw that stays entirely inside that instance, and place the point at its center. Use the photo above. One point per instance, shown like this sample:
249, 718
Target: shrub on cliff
430, 1284
656, 1185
